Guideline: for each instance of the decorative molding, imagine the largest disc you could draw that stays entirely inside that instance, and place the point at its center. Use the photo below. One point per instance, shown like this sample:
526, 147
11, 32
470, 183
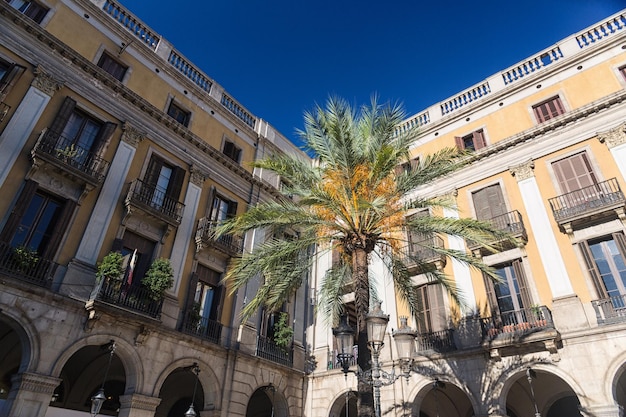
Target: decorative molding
523, 171
45, 82
197, 176
36, 383
139, 402
613, 137
131, 135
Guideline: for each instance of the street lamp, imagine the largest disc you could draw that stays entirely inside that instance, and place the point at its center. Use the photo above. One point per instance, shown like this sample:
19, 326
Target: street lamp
99, 398
530, 374
196, 370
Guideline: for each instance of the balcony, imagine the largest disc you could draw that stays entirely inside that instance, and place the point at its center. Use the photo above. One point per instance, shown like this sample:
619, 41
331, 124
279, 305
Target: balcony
267, 349
441, 342
205, 237
610, 310
204, 328
153, 202
511, 223
26, 267
70, 160
588, 206
130, 297
424, 254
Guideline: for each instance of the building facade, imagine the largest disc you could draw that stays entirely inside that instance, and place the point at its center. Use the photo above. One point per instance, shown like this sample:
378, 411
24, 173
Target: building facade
547, 139
113, 142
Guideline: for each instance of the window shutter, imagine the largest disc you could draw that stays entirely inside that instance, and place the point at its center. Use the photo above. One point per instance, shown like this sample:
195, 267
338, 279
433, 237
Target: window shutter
489, 202
216, 307
491, 295
232, 209
459, 142
66, 110
574, 173
175, 185
118, 245
479, 139
28, 191
592, 268
9, 79
522, 282
152, 173
620, 239
438, 317
60, 229
191, 291
103, 136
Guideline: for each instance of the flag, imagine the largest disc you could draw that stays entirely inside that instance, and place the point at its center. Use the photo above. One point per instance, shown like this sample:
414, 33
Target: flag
131, 268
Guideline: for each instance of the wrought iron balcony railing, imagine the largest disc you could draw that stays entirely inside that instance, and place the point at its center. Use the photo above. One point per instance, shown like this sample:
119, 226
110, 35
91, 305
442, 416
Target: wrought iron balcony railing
154, 201
602, 197
610, 310
424, 252
267, 349
518, 322
210, 330
131, 297
440, 341
66, 155
26, 266
205, 236
511, 223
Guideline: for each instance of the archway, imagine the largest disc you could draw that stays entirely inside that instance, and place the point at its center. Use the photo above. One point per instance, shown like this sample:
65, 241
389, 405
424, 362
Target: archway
266, 402
11, 356
440, 399
344, 405
84, 374
619, 388
542, 391
177, 393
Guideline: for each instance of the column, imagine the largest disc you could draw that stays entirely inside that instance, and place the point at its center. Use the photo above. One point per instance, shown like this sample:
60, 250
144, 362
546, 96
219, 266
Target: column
615, 140
186, 229
462, 274
19, 128
138, 405
30, 395
79, 278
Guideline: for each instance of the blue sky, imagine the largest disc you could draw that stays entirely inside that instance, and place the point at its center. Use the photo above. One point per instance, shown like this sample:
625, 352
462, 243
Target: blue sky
279, 58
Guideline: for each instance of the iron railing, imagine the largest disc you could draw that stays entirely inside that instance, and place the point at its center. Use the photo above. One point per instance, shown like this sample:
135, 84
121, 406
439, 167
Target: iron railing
586, 200
610, 310
511, 223
440, 341
155, 200
26, 266
206, 234
519, 322
131, 297
68, 154
423, 251
210, 330
266, 348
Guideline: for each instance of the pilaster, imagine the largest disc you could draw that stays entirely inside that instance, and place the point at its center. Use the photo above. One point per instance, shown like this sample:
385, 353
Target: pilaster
30, 395
138, 405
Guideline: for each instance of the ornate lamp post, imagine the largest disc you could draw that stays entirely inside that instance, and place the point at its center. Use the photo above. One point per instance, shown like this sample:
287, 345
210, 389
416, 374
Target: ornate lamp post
99, 398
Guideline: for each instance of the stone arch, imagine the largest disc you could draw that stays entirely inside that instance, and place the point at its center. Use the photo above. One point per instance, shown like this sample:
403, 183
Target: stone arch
338, 402
615, 381
207, 379
28, 337
258, 402
450, 396
129, 357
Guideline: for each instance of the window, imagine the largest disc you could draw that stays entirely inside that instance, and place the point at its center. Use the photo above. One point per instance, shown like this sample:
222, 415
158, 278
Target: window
605, 259
163, 183
112, 66
473, 142
489, 202
232, 151
548, 109
431, 316
139, 248
407, 166
179, 114
38, 221
417, 239
511, 295
574, 173
78, 136
9, 74
208, 293
222, 209
31, 9
622, 71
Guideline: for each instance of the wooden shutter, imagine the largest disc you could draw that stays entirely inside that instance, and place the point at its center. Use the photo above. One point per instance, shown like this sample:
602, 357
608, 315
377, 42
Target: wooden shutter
491, 295
216, 307
154, 169
522, 282
574, 173
232, 209
28, 191
9, 79
620, 240
592, 268
60, 228
118, 245
438, 316
479, 139
191, 291
458, 140
175, 184
102, 137
63, 116
489, 202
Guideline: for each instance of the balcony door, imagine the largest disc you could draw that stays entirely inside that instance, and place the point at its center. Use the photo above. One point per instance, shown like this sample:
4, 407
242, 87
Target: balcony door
574, 173
489, 202
605, 259
509, 297
164, 183
431, 316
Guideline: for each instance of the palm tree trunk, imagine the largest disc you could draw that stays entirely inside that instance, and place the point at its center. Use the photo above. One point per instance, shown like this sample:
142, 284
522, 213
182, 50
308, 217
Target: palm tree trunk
365, 400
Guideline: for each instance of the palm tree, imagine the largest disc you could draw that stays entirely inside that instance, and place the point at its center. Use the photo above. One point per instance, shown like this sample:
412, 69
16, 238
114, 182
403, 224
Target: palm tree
351, 198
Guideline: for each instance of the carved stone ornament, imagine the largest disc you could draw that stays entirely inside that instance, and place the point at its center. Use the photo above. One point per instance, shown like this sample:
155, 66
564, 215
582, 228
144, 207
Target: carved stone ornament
613, 137
197, 177
44, 82
523, 171
131, 135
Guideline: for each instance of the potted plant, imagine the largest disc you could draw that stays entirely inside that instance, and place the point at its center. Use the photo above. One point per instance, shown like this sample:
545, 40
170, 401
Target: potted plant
111, 267
159, 278
283, 333
24, 258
